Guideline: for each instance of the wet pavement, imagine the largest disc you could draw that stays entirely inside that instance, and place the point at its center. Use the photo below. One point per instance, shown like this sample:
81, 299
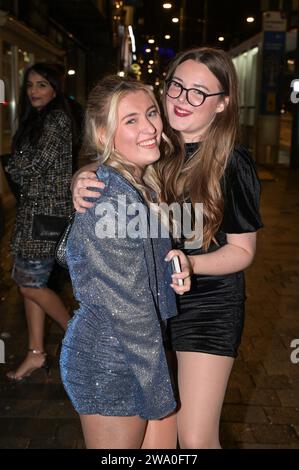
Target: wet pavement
261, 407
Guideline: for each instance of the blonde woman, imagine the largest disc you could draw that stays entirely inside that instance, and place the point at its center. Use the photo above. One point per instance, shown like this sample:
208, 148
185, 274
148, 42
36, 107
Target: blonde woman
113, 361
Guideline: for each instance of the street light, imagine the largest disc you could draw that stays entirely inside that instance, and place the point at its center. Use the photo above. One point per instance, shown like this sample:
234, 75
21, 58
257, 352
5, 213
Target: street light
175, 20
133, 42
221, 38
167, 6
167, 36
250, 19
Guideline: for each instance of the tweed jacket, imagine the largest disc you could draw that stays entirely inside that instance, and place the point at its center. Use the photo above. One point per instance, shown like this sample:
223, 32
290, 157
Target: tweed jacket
43, 173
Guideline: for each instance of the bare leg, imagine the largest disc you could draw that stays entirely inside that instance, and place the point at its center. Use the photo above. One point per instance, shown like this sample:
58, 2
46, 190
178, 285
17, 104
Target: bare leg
202, 382
49, 302
112, 432
38, 301
35, 317
161, 433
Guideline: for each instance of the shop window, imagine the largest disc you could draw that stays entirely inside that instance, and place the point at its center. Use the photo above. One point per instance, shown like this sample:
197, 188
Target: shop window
7, 108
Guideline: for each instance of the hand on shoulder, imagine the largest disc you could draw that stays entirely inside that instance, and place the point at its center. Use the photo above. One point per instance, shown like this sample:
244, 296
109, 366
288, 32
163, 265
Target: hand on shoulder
82, 180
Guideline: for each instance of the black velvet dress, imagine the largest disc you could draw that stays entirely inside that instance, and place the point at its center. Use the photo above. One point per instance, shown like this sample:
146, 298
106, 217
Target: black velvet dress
211, 314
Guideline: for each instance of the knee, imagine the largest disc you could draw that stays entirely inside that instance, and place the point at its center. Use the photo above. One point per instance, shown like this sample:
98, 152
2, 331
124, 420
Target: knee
198, 441
28, 292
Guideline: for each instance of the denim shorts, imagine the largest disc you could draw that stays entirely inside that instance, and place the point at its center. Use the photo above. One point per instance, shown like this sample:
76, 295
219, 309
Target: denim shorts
32, 273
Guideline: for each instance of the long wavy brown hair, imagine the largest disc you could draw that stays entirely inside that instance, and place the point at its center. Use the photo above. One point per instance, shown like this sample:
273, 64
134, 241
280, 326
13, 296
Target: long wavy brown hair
199, 179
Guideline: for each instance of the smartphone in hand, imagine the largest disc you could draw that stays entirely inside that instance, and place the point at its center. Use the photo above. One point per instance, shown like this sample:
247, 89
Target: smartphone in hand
176, 267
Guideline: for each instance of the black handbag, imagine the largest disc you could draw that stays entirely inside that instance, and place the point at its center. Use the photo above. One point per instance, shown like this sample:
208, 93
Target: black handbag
60, 250
48, 227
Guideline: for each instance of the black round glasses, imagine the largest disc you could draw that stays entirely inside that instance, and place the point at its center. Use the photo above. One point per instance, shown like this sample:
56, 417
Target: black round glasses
194, 96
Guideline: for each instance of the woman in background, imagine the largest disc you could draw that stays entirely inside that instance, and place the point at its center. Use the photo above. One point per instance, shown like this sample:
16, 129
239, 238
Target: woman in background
41, 166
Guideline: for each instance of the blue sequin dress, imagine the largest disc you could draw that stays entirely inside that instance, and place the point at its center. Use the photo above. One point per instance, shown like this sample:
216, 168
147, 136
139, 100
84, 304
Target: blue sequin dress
113, 360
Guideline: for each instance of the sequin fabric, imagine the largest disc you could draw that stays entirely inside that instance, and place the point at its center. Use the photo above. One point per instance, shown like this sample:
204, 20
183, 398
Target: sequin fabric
113, 360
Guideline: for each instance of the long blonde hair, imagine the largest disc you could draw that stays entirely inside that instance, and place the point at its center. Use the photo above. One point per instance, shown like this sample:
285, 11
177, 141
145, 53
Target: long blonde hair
102, 114
199, 179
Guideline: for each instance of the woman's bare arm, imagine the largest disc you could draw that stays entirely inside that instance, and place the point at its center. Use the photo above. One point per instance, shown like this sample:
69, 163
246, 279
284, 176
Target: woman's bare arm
236, 256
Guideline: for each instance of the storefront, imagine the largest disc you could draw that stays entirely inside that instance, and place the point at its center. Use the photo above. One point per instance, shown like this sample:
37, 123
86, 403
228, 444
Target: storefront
248, 60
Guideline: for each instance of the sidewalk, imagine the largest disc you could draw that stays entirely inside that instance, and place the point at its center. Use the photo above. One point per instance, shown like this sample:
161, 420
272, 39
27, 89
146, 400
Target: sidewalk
261, 407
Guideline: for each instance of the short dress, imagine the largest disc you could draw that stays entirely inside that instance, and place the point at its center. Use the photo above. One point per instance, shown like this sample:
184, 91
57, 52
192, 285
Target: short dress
113, 360
211, 314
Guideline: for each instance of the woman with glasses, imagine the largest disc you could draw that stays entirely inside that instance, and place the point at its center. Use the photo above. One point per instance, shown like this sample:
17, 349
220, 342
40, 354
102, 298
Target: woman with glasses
207, 166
